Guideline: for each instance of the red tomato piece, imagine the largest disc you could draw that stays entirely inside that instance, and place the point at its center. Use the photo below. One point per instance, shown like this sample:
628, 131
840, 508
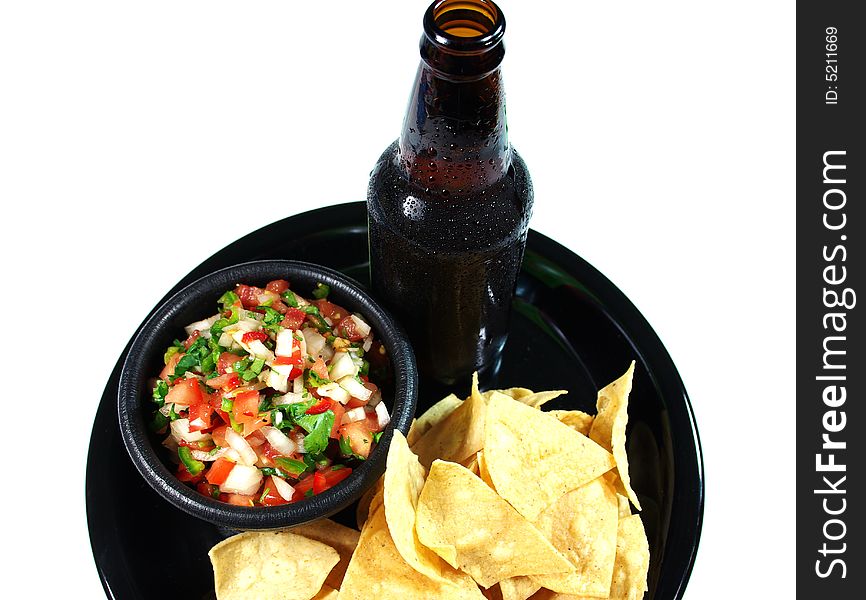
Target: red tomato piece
168, 369
200, 417
271, 497
246, 407
277, 286
294, 318
319, 482
211, 491
226, 360
219, 471
302, 487
330, 310
359, 436
184, 475
347, 328
191, 339
239, 499
249, 295
249, 336
320, 407
219, 436
339, 411
335, 476
355, 403
278, 306
372, 420
320, 369
225, 382
186, 392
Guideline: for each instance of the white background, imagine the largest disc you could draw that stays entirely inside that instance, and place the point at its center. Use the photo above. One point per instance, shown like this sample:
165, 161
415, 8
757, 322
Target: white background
137, 138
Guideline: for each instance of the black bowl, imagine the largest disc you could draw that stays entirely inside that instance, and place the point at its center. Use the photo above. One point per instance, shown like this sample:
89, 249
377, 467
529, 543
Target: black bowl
196, 301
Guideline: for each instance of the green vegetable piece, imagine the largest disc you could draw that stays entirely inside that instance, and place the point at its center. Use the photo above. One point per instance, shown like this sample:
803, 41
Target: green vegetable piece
290, 298
257, 366
272, 471
169, 353
377, 436
321, 292
291, 466
265, 493
228, 405
318, 429
160, 391
172, 415
228, 300
192, 465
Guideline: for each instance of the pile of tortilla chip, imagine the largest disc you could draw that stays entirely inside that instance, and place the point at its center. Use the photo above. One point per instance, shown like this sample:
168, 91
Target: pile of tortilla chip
488, 497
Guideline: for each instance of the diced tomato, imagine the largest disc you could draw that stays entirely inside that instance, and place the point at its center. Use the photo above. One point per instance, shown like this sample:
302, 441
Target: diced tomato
359, 436
168, 369
246, 407
320, 369
355, 403
294, 318
219, 471
277, 285
226, 382
267, 454
211, 491
330, 310
219, 436
278, 306
186, 392
239, 499
191, 339
339, 411
347, 328
328, 478
372, 420
256, 424
249, 336
226, 360
256, 439
200, 417
320, 407
184, 475
249, 295
270, 496
302, 487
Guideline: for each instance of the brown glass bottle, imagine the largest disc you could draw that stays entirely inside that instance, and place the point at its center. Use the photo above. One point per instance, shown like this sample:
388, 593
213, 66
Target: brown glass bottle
449, 202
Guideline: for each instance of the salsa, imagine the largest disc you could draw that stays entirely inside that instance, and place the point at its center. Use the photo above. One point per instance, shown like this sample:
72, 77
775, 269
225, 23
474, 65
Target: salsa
269, 401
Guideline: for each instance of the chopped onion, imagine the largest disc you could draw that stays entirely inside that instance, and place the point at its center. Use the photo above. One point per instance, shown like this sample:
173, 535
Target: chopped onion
242, 479
207, 456
375, 399
356, 414
298, 385
382, 414
279, 441
342, 366
315, 342
283, 488
180, 431
285, 343
203, 327
334, 392
289, 398
277, 380
361, 326
368, 342
355, 388
298, 438
237, 442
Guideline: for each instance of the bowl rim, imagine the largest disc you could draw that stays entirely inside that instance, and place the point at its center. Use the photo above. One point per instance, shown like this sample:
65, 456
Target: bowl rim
137, 438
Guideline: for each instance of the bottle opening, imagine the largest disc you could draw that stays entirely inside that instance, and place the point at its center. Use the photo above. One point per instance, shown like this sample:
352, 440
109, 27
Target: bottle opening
464, 24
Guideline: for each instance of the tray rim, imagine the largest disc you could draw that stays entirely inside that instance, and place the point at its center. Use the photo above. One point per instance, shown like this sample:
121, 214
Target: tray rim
626, 310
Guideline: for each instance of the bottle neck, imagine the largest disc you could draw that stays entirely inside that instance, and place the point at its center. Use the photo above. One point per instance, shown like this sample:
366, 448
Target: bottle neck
454, 136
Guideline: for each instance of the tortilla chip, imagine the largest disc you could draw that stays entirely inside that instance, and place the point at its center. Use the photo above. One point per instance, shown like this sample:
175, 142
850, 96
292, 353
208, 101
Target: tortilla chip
608, 427
327, 593
576, 419
632, 560
623, 505
492, 593
340, 538
457, 436
520, 440
267, 565
363, 508
471, 463
377, 570
539, 399
582, 525
482, 469
404, 478
432, 416
473, 529
517, 588
516, 393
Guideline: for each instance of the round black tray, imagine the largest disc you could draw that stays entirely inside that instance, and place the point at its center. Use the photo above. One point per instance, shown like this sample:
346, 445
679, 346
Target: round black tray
572, 329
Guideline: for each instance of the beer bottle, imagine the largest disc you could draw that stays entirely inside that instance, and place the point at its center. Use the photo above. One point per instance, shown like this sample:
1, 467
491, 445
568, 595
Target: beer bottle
449, 201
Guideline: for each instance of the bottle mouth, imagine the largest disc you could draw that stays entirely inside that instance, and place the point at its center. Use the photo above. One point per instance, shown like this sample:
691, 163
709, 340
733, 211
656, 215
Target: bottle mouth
464, 25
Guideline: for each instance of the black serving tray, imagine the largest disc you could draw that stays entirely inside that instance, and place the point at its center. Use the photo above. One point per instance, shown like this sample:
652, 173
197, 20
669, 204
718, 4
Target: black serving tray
571, 329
